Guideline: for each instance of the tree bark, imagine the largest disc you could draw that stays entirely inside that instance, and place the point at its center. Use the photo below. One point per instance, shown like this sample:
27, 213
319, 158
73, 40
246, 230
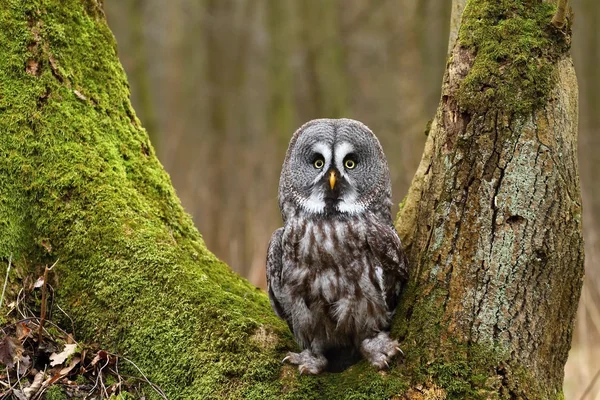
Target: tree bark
492, 221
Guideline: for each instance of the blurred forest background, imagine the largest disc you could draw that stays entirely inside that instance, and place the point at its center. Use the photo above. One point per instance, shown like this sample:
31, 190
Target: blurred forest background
221, 85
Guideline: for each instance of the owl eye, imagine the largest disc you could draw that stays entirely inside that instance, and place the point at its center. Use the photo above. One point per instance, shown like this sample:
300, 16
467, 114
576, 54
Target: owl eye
349, 164
319, 163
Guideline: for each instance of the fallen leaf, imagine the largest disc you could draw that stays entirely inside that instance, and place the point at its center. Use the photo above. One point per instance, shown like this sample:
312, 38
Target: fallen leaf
63, 372
35, 385
11, 351
22, 331
72, 364
57, 359
24, 364
39, 283
102, 355
19, 395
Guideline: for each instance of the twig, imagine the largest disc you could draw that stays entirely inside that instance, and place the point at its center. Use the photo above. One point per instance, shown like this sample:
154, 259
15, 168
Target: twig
559, 18
27, 319
18, 303
70, 319
152, 385
117, 373
43, 310
590, 386
6, 280
13, 386
99, 377
19, 375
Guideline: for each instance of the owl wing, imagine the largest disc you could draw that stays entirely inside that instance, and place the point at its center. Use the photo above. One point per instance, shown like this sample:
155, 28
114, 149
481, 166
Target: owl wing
274, 266
386, 246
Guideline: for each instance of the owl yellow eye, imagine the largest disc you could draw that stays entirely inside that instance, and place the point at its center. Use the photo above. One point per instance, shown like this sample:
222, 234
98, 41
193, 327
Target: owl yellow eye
349, 164
319, 164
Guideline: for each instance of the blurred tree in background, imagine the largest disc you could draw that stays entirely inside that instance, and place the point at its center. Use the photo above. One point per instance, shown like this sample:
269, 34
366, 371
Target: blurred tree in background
222, 85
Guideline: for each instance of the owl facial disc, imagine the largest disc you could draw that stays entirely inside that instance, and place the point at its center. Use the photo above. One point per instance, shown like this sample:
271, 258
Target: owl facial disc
334, 167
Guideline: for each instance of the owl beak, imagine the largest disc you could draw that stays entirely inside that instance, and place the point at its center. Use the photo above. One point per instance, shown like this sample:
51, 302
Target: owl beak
332, 179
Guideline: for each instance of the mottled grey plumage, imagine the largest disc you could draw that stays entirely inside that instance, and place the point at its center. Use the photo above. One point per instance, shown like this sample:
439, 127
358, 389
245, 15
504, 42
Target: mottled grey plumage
336, 268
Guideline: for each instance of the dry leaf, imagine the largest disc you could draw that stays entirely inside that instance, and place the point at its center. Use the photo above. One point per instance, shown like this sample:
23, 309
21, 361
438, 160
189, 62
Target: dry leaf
22, 331
11, 351
63, 372
24, 364
72, 364
60, 358
35, 385
39, 283
102, 355
19, 395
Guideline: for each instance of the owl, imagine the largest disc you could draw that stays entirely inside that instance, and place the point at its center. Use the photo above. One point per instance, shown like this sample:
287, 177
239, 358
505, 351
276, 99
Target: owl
336, 267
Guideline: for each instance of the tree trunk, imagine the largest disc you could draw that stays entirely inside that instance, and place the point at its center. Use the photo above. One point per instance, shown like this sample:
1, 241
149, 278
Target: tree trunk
492, 221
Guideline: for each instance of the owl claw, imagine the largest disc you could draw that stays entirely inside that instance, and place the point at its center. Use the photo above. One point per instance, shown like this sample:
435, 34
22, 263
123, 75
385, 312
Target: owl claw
307, 362
400, 351
380, 349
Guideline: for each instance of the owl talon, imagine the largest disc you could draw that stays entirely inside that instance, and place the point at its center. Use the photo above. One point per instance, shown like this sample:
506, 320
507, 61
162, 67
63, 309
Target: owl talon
400, 351
308, 363
380, 349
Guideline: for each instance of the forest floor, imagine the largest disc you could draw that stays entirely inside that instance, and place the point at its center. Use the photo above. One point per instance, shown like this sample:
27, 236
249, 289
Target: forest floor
43, 360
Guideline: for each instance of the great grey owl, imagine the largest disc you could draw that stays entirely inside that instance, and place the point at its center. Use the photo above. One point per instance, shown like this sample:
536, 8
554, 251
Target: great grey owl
336, 267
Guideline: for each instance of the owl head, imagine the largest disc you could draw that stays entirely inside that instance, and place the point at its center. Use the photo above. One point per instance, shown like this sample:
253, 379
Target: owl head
334, 166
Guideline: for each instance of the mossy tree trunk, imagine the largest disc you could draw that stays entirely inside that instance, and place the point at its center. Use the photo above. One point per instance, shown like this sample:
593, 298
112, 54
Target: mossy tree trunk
492, 222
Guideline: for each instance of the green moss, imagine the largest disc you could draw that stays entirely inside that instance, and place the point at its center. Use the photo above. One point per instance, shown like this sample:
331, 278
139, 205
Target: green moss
54, 393
462, 369
401, 207
515, 48
134, 274
123, 396
80, 176
81, 183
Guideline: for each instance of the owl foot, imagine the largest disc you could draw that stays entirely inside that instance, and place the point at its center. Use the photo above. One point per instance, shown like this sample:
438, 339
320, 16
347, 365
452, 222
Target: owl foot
307, 362
380, 349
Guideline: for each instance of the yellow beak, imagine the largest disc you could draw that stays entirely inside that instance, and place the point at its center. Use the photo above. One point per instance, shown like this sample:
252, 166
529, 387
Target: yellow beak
332, 179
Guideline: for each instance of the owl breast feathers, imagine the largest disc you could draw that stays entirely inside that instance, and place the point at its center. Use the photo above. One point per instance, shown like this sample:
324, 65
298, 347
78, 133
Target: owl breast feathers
336, 268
